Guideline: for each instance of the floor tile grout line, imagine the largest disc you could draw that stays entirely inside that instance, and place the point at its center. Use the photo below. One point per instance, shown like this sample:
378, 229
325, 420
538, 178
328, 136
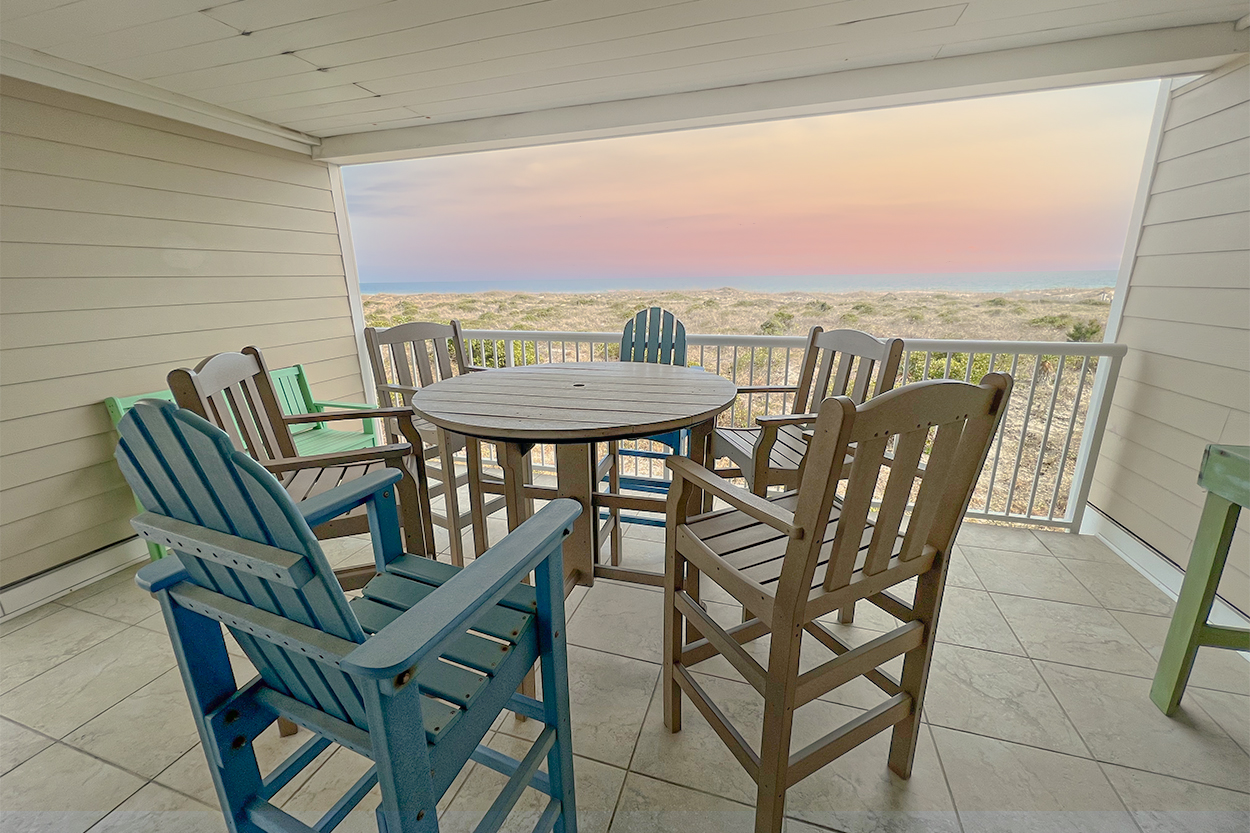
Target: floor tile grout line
53, 603
1033, 663
1102, 768
945, 778
80, 653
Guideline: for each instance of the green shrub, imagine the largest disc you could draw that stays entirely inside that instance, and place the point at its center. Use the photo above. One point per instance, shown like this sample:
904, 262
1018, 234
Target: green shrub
817, 306
771, 327
996, 302
1057, 321
1085, 331
913, 315
493, 353
864, 308
850, 317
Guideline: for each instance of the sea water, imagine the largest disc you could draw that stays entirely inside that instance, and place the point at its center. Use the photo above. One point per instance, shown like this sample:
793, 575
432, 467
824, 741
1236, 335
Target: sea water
948, 282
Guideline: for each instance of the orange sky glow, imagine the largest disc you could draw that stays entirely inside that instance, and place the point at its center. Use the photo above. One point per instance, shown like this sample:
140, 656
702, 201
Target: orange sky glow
1029, 182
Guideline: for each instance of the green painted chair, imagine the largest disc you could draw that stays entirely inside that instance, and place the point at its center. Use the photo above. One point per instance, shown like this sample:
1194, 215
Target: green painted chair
295, 396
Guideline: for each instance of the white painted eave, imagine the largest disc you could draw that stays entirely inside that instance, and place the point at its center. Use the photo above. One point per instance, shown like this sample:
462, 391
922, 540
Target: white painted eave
39, 68
1139, 55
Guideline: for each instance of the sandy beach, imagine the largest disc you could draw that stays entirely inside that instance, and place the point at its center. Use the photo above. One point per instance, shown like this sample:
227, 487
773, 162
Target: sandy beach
1035, 315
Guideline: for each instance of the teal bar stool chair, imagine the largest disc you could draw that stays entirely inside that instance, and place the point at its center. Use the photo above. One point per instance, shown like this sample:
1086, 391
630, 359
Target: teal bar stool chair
656, 336
410, 674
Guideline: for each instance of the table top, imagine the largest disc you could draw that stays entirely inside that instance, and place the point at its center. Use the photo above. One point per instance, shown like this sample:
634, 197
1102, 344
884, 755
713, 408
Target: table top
575, 401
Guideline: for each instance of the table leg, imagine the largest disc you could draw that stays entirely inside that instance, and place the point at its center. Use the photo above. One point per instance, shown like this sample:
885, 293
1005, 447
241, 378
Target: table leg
700, 450
1193, 607
516, 475
575, 479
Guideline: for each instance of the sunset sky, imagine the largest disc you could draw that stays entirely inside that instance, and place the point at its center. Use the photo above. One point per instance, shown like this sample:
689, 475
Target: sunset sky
1030, 182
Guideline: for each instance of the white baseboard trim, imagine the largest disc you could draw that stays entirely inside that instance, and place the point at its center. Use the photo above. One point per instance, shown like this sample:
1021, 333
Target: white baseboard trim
56, 583
1158, 570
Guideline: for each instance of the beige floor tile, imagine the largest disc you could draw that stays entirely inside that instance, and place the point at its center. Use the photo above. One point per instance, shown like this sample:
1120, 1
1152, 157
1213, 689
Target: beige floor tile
608, 697
650, 533
123, 601
1213, 668
1119, 587
1035, 576
120, 577
1231, 711
1080, 547
155, 809
27, 653
998, 695
19, 744
154, 623
971, 619
620, 619
1005, 786
651, 806
1015, 539
158, 713
1122, 726
64, 698
61, 790
189, 775
1169, 805
596, 787
15, 623
858, 793
960, 572
1074, 634
327, 784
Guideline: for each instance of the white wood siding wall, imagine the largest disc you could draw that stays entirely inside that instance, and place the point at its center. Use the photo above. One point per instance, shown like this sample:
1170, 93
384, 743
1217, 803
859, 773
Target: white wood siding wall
1186, 379
130, 245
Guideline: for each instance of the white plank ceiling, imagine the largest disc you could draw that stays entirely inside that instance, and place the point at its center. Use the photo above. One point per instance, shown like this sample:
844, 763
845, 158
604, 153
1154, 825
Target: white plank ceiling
331, 67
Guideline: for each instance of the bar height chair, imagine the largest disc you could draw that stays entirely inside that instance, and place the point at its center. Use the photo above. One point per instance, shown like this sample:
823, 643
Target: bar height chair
794, 557
404, 675
404, 359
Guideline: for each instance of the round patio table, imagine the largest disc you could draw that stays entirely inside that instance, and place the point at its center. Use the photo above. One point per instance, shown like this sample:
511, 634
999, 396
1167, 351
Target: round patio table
573, 406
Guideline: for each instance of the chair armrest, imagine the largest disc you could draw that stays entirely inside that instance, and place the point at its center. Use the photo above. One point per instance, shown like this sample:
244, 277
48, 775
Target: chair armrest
318, 404
762, 510
342, 499
398, 388
395, 451
367, 412
427, 627
769, 389
785, 419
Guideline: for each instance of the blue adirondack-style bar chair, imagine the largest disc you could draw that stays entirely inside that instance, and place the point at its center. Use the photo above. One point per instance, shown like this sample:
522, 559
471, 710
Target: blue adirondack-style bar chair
427, 646
656, 336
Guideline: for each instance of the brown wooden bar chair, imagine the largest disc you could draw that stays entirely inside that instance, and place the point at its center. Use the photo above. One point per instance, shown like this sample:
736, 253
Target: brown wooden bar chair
794, 557
835, 363
234, 391
406, 358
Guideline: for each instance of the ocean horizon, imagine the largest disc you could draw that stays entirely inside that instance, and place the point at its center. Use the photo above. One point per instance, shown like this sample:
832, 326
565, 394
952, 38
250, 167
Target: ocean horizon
949, 282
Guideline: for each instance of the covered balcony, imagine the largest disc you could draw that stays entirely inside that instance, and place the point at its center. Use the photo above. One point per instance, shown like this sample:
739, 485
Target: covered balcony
172, 189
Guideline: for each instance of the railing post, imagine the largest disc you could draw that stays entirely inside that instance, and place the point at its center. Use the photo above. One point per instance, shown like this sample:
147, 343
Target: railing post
1105, 379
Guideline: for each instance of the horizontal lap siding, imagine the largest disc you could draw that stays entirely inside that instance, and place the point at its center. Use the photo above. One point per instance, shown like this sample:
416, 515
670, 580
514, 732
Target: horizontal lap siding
1186, 380
131, 245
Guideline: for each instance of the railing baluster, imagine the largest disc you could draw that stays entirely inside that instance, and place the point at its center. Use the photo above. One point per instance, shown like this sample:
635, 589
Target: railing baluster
998, 450
1041, 449
1024, 432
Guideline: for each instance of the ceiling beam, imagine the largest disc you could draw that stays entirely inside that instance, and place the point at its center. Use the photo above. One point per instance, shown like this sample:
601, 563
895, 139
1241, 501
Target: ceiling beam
40, 68
1137, 55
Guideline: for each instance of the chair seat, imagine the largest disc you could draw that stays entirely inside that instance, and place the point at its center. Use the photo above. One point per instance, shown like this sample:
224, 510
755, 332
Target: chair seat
757, 549
329, 440
473, 666
738, 444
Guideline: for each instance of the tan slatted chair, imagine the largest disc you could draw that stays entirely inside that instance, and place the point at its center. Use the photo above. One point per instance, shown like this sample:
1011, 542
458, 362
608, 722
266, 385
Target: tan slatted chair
835, 363
235, 392
406, 358
794, 557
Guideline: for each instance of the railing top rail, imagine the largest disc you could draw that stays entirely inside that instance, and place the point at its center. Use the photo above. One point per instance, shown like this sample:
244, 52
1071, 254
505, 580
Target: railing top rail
918, 345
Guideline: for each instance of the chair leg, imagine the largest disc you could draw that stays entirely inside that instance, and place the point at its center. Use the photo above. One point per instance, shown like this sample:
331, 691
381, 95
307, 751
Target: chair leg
554, 664
846, 614
414, 508
451, 498
783, 670
477, 501
674, 573
915, 676
402, 759
286, 728
614, 486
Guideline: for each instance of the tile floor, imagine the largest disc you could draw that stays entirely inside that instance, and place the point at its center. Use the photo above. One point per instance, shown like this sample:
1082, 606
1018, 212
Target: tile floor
1037, 717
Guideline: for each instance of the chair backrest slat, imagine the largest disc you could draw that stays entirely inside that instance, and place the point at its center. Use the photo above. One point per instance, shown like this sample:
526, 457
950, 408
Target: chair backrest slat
846, 363
411, 355
656, 336
186, 469
888, 439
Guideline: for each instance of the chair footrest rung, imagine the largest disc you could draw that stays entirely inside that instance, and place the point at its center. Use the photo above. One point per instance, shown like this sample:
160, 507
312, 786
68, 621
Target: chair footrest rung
846, 737
857, 662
